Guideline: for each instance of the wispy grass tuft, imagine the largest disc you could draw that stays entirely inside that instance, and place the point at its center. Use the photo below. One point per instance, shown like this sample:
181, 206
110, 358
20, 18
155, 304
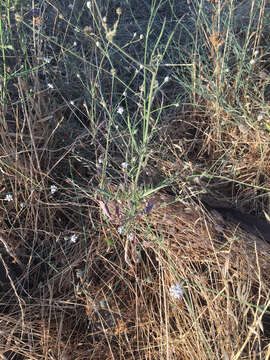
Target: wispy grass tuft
117, 119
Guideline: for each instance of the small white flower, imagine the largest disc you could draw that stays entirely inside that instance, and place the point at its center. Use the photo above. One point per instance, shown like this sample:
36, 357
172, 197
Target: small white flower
22, 205
121, 229
101, 159
72, 102
75, 43
119, 11
70, 6
73, 238
53, 189
50, 86
260, 117
252, 61
120, 110
131, 236
9, 197
88, 4
256, 53
167, 78
47, 59
141, 36
125, 165
98, 44
18, 18
87, 29
176, 291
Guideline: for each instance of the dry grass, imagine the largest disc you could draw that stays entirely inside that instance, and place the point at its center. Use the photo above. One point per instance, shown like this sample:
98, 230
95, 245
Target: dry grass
109, 140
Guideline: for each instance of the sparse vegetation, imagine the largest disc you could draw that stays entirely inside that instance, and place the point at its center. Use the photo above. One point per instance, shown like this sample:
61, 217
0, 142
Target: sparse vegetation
117, 119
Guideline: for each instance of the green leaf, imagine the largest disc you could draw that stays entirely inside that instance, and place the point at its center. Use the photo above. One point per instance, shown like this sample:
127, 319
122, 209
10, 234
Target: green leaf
267, 126
109, 242
10, 47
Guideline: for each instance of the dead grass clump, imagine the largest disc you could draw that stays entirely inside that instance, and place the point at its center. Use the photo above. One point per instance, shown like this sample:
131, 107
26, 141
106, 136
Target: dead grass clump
170, 285
223, 283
